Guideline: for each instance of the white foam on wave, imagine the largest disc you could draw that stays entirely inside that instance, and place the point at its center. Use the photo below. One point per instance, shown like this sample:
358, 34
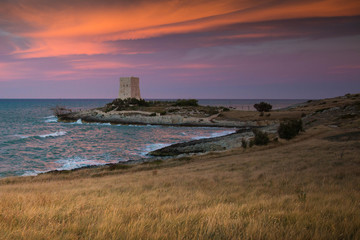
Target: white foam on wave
55, 134
21, 136
103, 124
141, 126
51, 119
77, 122
77, 162
216, 134
32, 173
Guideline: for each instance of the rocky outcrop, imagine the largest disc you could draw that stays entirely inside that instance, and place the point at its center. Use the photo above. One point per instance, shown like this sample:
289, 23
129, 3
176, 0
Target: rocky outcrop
205, 145
146, 118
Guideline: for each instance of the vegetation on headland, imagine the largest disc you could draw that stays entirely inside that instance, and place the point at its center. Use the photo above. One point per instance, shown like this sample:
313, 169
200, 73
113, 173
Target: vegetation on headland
290, 129
260, 137
186, 102
183, 107
139, 104
125, 104
305, 188
263, 107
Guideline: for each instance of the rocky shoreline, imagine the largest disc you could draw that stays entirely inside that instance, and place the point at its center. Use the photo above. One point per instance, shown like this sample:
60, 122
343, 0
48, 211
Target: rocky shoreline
244, 129
221, 143
204, 145
146, 118
184, 149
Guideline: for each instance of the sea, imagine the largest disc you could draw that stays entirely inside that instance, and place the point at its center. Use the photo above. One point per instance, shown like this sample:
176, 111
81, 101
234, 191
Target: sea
32, 141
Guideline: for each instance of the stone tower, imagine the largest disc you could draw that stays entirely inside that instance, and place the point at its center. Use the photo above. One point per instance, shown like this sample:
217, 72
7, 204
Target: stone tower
129, 88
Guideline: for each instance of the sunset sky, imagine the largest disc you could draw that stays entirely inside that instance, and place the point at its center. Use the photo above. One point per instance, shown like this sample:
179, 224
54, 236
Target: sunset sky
180, 48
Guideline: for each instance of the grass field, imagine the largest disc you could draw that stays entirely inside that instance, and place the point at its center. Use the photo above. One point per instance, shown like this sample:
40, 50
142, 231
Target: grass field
307, 188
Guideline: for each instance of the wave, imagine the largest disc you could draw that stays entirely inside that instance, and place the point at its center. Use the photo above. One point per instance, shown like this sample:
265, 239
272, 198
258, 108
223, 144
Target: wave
32, 173
22, 136
103, 124
77, 122
77, 162
67, 164
51, 119
55, 134
141, 126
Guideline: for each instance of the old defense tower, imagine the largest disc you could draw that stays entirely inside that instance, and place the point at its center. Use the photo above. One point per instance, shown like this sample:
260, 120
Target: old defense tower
129, 88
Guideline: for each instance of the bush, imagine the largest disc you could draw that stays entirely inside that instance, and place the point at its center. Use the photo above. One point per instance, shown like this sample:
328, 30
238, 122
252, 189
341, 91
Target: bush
289, 129
125, 104
263, 107
261, 138
243, 143
186, 102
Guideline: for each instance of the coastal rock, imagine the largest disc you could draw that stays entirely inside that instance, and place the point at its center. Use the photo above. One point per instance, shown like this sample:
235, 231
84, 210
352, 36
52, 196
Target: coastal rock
205, 145
146, 118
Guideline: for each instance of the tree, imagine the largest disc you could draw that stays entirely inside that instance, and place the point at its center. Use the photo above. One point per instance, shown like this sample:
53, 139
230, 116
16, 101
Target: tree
263, 107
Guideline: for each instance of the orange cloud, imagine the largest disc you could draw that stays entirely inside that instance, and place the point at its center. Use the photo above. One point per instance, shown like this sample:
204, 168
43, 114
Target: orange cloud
45, 47
65, 30
89, 64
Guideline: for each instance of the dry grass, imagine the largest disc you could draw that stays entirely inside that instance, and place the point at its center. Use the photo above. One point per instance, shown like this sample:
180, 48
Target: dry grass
316, 105
307, 188
237, 115
293, 113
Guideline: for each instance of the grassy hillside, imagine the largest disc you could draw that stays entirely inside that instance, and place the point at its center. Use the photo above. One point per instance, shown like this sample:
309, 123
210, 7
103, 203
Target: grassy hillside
306, 188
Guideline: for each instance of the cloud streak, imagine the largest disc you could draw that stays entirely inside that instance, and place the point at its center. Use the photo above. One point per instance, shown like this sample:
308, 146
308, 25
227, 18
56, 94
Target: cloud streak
229, 42
64, 28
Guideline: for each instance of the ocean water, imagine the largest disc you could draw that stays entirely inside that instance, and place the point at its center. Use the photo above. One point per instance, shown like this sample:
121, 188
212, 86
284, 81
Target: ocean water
33, 141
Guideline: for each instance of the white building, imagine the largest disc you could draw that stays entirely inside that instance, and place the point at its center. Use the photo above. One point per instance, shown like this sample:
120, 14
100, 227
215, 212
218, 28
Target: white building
129, 88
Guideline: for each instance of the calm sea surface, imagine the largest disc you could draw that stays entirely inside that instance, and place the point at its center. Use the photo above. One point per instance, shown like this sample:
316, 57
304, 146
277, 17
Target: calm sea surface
32, 141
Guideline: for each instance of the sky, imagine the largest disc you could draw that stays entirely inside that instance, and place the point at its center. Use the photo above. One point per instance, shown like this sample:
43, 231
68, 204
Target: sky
240, 49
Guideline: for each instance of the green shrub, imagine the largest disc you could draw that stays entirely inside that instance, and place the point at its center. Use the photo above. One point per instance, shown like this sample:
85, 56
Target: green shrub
289, 129
225, 109
243, 143
125, 104
261, 138
263, 107
186, 102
